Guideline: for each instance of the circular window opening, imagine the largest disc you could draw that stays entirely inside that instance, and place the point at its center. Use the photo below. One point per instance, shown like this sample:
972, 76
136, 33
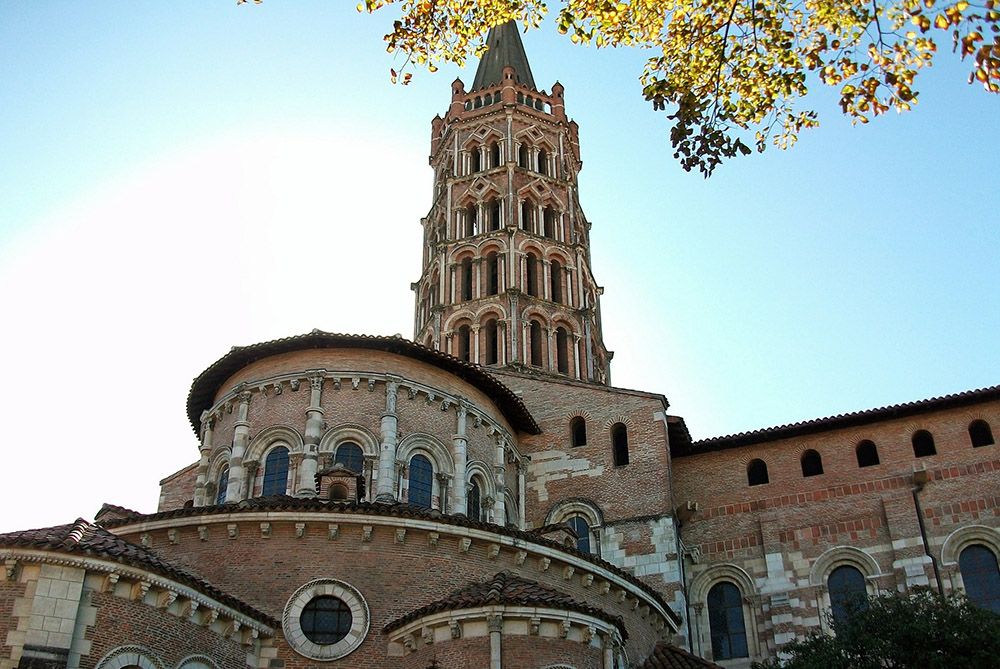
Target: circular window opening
326, 620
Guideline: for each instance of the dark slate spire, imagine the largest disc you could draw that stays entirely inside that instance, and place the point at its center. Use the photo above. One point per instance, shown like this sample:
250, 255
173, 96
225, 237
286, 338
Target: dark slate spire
504, 48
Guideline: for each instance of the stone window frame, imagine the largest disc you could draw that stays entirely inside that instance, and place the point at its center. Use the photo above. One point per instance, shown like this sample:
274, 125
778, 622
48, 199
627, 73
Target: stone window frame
958, 541
483, 473
360, 619
823, 566
130, 656
262, 444
441, 463
700, 586
562, 511
197, 662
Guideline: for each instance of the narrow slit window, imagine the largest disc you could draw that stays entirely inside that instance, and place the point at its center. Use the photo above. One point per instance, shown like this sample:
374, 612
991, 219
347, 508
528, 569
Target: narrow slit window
757, 472
619, 444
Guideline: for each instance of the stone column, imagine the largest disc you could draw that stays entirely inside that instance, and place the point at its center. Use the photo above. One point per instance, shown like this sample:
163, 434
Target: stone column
521, 493
576, 355
313, 433
546, 280
387, 449
370, 474
501, 482
201, 483
443, 486
241, 438
495, 625
474, 342
550, 339
459, 452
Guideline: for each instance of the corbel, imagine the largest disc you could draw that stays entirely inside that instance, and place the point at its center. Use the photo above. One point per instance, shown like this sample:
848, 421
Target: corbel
427, 635
401, 535
139, 591
621, 595
589, 632
564, 630
644, 611
165, 599
493, 551
174, 537
534, 626
145, 540
543, 563
520, 557
203, 532
604, 587
355, 382
234, 629
366, 533
411, 392
300, 530
371, 385
433, 538
332, 531
210, 617
294, 384
336, 383
568, 572
430, 398
455, 628
10, 568
587, 580
233, 529
265, 530
410, 642
110, 581
464, 544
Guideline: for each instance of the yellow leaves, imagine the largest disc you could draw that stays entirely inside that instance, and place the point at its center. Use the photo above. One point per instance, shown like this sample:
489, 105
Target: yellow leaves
941, 22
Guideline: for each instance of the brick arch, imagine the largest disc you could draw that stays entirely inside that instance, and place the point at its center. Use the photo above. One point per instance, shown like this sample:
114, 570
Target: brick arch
492, 245
533, 312
459, 318
746, 458
463, 251
575, 506
197, 662
429, 445
531, 246
358, 434
485, 474
554, 252
584, 414
703, 582
964, 537
130, 656
626, 420
496, 310
266, 438
218, 462
839, 556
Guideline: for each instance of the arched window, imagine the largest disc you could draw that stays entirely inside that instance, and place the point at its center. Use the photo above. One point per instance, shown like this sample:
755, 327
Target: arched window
494, 154
725, 620
220, 495
562, 351
536, 343
475, 159
549, 223
522, 156
757, 472
464, 341
494, 214
531, 274
466, 270
582, 531
619, 444
980, 433
471, 220
578, 431
492, 349
923, 444
543, 161
848, 593
350, 455
867, 454
555, 281
812, 463
276, 472
528, 216
493, 273
474, 502
981, 577
421, 481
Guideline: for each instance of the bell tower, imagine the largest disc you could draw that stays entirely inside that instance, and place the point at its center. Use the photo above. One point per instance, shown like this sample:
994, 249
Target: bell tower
506, 278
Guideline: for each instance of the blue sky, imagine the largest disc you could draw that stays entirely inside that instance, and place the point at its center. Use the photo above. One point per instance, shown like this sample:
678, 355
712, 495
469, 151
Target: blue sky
177, 178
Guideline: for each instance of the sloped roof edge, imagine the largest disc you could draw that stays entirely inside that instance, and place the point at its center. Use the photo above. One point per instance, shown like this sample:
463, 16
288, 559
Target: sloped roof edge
204, 387
839, 421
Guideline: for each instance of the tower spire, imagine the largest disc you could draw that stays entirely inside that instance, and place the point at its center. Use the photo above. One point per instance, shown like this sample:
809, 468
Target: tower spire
504, 49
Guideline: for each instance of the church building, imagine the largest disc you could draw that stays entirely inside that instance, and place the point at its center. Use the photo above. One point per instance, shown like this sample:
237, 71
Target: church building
482, 496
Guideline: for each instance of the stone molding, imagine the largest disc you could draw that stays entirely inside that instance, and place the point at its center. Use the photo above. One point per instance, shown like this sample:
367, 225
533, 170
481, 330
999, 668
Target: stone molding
657, 615
181, 600
963, 537
360, 619
127, 656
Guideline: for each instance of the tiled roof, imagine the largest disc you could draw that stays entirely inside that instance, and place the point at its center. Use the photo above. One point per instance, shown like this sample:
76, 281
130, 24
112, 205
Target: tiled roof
505, 588
503, 48
854, 419
204, 388
667, 656
85, 538
299, 504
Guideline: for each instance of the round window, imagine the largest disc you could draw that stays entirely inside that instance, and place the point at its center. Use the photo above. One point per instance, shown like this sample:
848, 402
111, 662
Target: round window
325, 619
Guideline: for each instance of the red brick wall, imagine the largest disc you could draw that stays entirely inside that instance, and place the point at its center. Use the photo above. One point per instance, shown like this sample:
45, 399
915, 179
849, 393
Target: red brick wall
121, 621
456, 654
9, 591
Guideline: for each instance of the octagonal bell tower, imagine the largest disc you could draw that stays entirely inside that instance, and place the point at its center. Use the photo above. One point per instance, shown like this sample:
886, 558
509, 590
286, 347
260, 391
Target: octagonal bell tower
506, 278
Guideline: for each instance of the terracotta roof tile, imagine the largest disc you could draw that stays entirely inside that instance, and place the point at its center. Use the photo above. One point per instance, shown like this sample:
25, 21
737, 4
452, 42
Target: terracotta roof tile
204, 387
84, 538
506, 588
839, 421
299, 504
668, 656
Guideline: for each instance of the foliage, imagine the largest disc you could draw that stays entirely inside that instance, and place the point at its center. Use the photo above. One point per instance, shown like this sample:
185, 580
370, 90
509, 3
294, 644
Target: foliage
724, 69
919, 631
